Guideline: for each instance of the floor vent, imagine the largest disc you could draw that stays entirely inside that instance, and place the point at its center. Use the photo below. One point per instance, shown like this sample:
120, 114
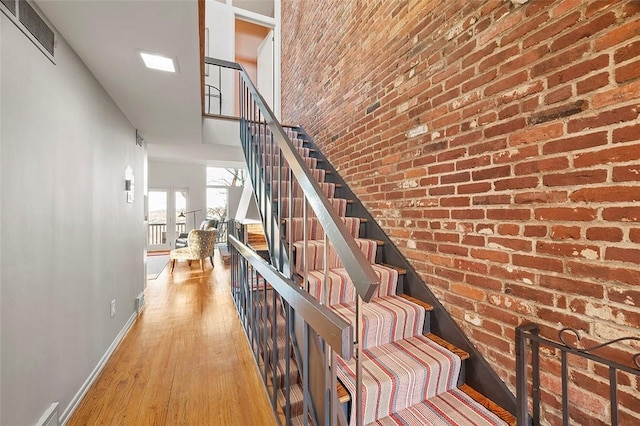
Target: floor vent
139, 303
50, 417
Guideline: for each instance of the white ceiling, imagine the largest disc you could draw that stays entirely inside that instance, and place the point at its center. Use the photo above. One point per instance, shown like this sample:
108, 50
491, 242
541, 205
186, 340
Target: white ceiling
108, 34
263, 7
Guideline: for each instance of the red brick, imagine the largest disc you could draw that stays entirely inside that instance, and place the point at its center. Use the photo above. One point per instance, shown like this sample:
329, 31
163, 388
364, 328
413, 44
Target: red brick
607, 118
623, 254
509, 229
625, 296
508, 214
618, 35
562, 318
627, 72
559, 95
479, 81
584, 177
621, 93
634, 235
626, 173
568, 250
455, 178
535, 231
545, 165
516, 183
537, 133
558, 61
503, 128
485, 200
604, 273
628, 51
473, 163
565, 232
513, 81
627, 134
491, 173
601, 233
569, 285
606, 194
591, 27
537, 262
578, 70
566, 214
621, 214
509, 243
593, 83
529, 293
606, 156
575, 143
474, 188
491, 255
547, 32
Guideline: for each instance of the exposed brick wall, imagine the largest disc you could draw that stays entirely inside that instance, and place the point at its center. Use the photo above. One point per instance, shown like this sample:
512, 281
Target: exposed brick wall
499, 146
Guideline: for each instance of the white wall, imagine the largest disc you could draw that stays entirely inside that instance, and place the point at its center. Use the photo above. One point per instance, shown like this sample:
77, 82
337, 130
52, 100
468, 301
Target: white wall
70, 241
220, 20
192, 177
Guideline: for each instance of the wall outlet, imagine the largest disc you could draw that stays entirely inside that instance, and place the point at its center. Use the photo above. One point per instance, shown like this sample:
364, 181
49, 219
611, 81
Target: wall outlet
113, 308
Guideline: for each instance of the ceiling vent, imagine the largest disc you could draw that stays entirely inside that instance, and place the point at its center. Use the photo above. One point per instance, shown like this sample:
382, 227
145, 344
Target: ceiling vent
30, 23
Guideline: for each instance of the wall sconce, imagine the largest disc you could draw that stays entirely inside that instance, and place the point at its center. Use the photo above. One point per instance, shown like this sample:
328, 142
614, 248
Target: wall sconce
128, 184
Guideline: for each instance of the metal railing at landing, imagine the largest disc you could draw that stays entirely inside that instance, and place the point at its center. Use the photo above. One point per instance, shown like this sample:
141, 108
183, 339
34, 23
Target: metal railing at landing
527, 337
157, 232
269, 304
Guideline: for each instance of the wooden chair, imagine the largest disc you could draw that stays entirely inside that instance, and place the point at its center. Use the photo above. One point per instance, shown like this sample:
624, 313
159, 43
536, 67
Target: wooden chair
201, 246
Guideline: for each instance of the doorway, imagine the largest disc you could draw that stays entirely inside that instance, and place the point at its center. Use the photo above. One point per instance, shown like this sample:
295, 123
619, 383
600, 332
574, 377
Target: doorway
166, 208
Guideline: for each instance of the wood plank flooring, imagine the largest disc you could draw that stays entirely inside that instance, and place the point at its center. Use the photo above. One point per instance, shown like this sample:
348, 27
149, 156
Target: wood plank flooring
185, 361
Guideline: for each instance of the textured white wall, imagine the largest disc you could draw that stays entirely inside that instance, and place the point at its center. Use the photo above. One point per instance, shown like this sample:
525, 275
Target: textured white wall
70, 241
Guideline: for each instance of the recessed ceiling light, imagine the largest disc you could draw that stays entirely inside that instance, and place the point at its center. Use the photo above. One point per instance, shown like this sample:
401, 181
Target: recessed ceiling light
158, 62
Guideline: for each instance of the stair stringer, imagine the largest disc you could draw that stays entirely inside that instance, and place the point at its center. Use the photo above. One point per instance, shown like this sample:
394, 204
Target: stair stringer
478, 373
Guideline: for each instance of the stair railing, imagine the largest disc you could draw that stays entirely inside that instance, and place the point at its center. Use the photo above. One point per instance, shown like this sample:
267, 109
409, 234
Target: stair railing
258, 289
274, 163
528, 334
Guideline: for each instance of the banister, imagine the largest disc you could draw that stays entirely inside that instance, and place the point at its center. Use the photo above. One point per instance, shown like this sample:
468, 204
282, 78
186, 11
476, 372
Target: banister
337, 332
357, 266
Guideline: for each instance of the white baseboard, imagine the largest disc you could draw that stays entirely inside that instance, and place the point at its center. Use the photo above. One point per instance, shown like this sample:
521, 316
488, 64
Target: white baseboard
50, 417
66, 415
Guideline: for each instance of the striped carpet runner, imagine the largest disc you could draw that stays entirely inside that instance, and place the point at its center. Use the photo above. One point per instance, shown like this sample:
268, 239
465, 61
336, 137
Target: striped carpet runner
408, 379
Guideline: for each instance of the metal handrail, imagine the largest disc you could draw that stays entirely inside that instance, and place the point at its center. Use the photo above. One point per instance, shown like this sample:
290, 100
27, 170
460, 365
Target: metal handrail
357, 266
337, 332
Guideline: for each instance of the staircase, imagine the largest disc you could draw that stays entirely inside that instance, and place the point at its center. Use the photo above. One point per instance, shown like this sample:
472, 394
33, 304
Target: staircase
409, 375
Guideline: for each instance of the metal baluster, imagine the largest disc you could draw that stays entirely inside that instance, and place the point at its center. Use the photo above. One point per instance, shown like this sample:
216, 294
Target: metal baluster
535, 389
565, 389
274, 344
287, 354
335, 404
305, 244
289, 228
305, 376
265, 329
358, 348
613, 395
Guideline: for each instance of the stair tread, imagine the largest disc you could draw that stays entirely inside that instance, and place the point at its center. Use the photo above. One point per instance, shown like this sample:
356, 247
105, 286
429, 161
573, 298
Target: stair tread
452, 407
489, 405
453, 348
405, 373
425, 305
401, 271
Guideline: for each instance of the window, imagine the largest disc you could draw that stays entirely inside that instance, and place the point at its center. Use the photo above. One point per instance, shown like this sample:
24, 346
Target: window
218, 181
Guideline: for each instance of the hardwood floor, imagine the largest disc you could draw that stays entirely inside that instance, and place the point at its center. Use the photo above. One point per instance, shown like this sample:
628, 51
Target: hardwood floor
185, 361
